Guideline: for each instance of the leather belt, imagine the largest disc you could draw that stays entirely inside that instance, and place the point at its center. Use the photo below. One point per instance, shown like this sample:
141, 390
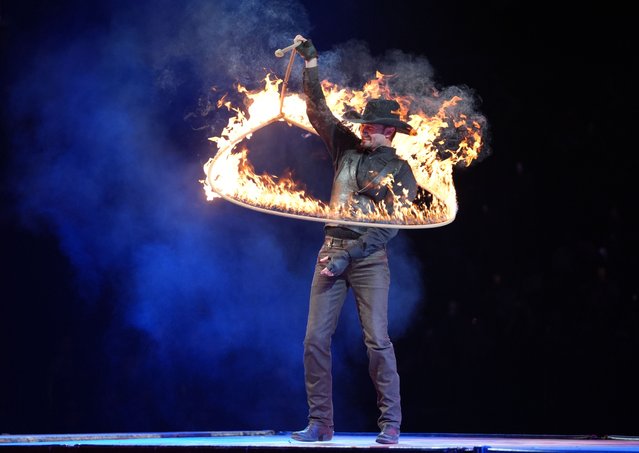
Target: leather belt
337, 242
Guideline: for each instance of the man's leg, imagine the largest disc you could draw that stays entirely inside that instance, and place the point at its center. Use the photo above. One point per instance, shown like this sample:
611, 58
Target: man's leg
370, 278
325, 304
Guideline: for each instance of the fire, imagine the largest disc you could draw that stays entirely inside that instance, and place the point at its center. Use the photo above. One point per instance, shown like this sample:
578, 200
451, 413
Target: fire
231, 176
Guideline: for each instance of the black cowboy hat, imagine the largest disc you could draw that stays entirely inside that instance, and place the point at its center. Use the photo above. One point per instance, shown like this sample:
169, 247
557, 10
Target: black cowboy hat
380, 111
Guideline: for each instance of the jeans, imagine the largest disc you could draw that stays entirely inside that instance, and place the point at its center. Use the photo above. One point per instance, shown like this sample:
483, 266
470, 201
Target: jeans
369, 278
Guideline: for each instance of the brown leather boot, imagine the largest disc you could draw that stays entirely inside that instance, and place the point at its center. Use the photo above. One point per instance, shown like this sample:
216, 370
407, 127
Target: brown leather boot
389, 435
314, 432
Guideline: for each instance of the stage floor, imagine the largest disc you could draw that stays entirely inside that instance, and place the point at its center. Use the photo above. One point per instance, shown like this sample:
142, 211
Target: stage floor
263, 441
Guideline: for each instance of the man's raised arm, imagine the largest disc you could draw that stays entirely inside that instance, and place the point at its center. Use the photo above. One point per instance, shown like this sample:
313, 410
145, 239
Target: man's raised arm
336, 136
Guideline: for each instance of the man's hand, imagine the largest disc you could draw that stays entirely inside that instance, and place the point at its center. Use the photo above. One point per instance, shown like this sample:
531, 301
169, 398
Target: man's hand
325, 271
307, 50
335, 264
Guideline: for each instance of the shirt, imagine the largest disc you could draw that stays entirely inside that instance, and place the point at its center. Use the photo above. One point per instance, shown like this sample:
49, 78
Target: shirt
338, 139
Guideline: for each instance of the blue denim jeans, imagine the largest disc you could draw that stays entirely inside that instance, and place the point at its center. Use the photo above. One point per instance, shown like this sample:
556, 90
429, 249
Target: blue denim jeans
369, 278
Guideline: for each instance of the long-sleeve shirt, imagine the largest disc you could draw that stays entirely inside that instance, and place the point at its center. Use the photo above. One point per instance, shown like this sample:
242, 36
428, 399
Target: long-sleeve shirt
339, 139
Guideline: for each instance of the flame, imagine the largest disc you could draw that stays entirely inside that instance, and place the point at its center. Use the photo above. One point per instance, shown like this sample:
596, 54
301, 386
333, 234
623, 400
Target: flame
231, 176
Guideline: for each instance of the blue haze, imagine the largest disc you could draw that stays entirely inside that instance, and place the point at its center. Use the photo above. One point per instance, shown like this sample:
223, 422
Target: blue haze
111, 118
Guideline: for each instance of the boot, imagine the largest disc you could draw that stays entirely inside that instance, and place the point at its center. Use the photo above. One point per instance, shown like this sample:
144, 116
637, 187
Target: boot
389, 435
314, 432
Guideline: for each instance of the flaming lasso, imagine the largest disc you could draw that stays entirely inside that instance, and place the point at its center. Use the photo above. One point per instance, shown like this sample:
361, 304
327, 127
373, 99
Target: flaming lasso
439, 143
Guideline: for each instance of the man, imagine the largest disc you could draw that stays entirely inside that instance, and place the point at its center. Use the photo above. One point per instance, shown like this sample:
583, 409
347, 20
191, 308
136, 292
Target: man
352, 256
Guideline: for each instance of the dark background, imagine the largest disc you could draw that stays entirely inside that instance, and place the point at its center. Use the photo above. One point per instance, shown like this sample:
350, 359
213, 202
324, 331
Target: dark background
129, 303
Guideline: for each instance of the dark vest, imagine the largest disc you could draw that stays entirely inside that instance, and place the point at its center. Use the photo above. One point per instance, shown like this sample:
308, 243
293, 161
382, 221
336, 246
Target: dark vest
346, 193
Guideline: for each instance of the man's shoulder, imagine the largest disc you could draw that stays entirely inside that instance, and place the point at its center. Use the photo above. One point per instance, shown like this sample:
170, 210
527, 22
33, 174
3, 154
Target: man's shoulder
348, 137
404, 169
340, 125
399, 161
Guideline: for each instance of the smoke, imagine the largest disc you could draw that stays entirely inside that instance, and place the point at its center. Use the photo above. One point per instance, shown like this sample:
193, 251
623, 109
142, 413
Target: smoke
351, 64
209, 300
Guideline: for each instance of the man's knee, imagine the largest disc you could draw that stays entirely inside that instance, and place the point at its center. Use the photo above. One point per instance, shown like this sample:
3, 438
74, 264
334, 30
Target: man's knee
378, 342
314, 341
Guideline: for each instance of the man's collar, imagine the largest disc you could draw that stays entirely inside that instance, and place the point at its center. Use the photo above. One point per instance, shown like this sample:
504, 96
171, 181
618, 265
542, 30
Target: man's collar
383, 149
380, 150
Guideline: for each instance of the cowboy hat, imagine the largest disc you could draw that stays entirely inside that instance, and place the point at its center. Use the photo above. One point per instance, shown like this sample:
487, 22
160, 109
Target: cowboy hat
380, 111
